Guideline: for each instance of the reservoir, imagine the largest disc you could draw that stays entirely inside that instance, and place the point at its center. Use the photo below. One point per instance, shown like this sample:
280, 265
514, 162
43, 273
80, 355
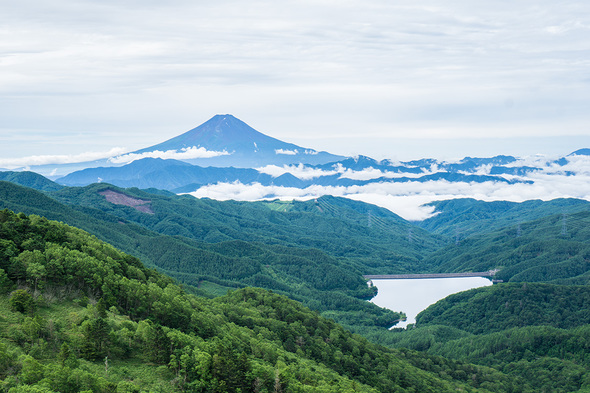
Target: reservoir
414, 295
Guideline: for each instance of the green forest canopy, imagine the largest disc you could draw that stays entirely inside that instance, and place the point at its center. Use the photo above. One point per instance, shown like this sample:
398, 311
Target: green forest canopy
88, 317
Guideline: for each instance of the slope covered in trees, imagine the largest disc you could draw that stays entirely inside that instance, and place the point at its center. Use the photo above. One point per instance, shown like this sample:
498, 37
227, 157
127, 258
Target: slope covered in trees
30, 179
534, 336
79, 315
501, 307
363, 233
529, 241
550, 249
320, 281
539, 332
462, 218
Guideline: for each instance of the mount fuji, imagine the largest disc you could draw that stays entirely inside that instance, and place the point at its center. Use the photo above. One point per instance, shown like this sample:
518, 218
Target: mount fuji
224, 158
225, 141
222, 141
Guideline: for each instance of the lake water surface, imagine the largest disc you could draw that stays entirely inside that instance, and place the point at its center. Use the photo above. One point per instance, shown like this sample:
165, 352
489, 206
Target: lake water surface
414, 295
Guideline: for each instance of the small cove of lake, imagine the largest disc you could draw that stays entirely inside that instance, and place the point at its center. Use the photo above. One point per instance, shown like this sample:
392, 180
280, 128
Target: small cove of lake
412, 296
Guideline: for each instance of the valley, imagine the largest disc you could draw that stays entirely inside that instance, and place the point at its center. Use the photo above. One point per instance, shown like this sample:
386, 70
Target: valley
293, 248
186, 293
294, 197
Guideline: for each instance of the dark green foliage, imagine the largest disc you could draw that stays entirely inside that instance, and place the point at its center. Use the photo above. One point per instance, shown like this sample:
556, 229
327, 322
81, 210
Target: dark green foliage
463, 218
537, 332
250, 340
95, 335
230, 369
337, 226
320, 280
30, 179
6, 284
551, 249
22, 301
65, 354
500, 307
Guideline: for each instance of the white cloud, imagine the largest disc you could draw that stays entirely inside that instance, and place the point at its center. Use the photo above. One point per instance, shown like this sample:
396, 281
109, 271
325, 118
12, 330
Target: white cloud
366, 174
408, 199
404, 203
186, 153
307, 173
12, 163
371, 173
300, 171
482, 170
365, 76
578, 164
537, 161
287, 152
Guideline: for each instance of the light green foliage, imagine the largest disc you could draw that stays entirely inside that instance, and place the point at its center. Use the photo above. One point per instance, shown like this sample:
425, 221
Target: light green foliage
314, 255
538, 333
534, 337
161, 339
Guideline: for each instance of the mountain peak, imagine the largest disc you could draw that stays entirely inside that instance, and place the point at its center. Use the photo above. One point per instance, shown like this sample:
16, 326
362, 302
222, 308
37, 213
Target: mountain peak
241, 144
222, 122
221, 132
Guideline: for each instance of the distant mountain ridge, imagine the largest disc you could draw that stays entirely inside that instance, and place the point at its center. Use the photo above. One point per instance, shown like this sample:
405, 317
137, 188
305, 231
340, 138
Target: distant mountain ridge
183, 175
225, 158
179, 176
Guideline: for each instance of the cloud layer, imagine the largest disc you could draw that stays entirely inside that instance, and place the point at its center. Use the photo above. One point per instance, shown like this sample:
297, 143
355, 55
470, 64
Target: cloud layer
183, 154
338, 76
408, 199
12, 163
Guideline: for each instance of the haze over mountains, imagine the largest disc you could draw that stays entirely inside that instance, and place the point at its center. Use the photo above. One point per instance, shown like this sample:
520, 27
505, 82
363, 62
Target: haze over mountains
315, 252
224, 158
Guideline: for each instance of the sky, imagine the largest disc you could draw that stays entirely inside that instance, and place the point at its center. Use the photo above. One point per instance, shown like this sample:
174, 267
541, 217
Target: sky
401, 80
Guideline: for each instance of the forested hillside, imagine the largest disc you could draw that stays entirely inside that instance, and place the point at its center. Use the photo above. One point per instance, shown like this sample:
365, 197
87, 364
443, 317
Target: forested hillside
458, 219
540, 332
501, 307
30, 179
363, 233
550, 249
322, 282
79, 315
534, 336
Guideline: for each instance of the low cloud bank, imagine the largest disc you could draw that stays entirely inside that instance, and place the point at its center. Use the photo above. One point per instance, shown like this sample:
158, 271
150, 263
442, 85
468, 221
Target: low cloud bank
551, 180
300, 171
116, 155
12, 163
408, 199
186, 153
307, 173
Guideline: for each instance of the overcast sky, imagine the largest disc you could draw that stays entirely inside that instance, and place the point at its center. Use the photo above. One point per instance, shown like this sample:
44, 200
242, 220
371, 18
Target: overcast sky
404, 79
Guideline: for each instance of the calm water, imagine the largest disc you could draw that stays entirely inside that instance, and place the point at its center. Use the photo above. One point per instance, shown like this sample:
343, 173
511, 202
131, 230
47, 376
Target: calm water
413, 296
